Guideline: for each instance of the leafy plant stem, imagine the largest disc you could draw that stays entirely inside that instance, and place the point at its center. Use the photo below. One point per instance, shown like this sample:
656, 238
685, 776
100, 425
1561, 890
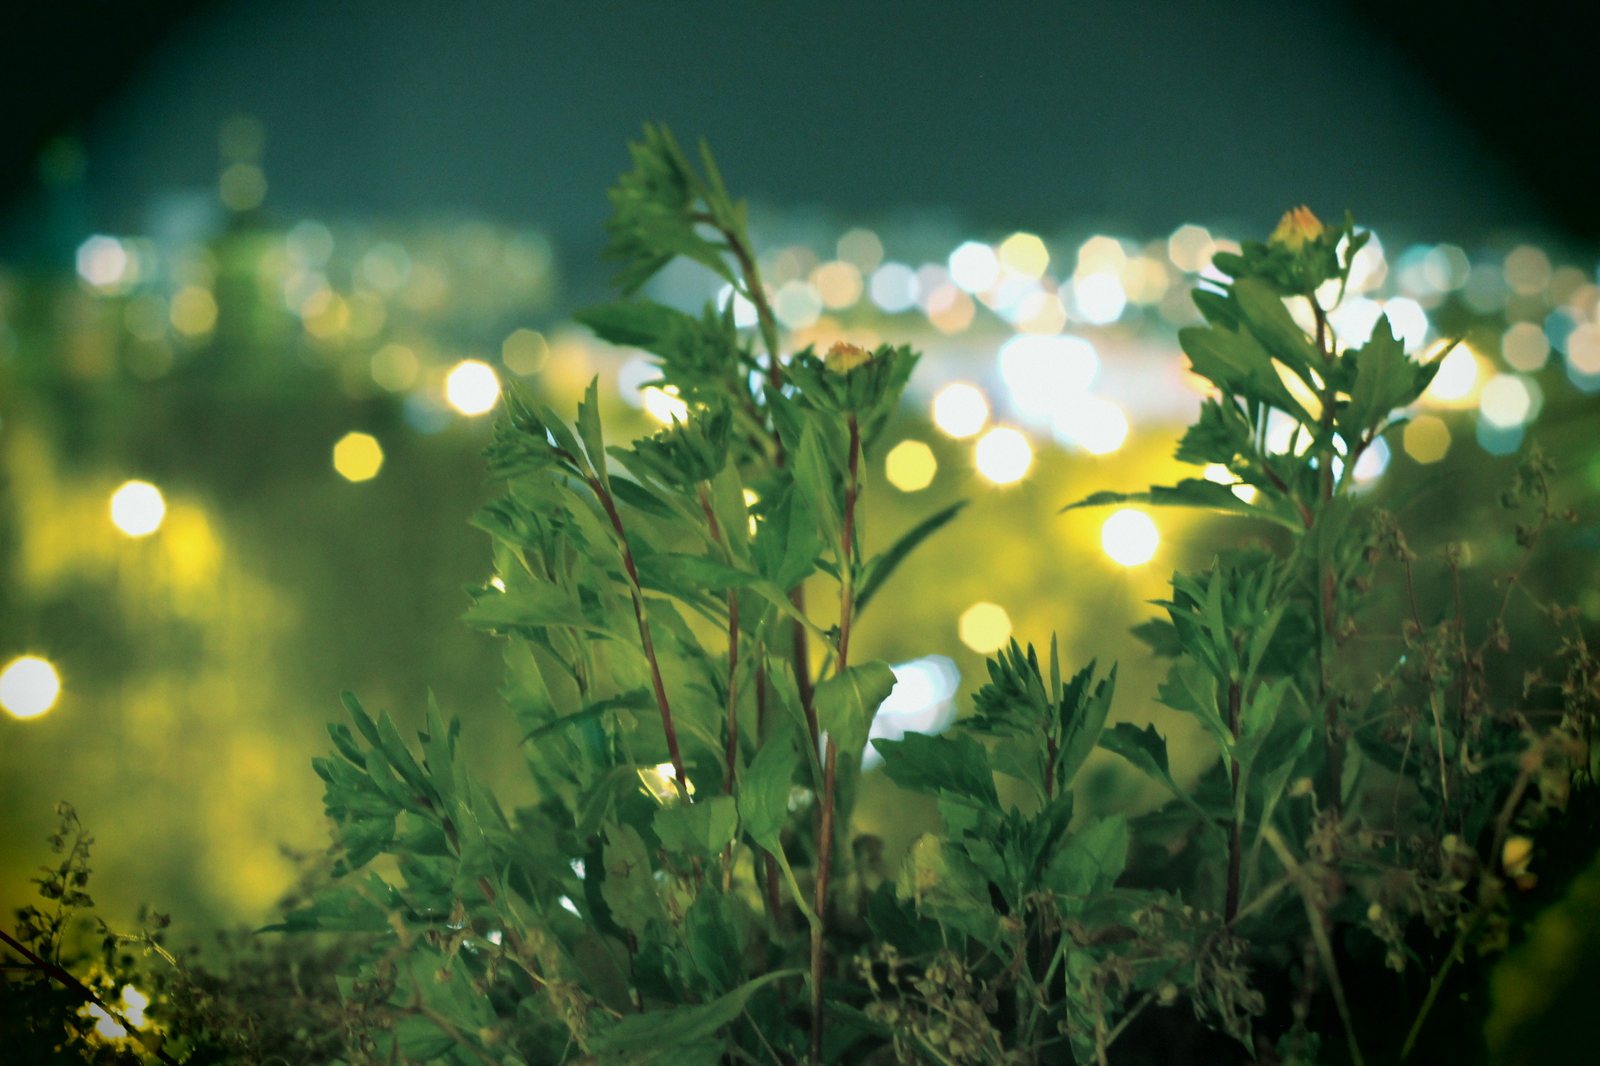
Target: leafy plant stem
824, 869
81, 990
1236, 834
681, 777
1319, 931
847, 564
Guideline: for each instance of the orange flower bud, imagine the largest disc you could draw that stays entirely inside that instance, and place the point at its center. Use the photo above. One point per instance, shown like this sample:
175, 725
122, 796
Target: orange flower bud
1296, 228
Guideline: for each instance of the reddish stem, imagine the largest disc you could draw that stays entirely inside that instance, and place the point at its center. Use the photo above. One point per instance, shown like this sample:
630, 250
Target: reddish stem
824, 870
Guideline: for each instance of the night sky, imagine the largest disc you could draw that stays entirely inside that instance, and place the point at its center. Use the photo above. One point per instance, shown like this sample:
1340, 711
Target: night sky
1133, 115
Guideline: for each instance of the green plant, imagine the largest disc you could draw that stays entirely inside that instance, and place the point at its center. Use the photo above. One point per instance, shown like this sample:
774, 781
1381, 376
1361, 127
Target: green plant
682, 890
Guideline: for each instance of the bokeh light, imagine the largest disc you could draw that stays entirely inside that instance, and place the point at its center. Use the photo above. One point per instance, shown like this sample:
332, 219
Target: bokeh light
960, 410
1099, 298
358, 457
472, 387
1583, 349
394, 367
985, 627
950, 309
1457, 377
663, 405
1190, 248
860, 248
1525, 347
894, 288
1024, 255
838, 284
1426, 439
194, 311
910, 466
1507, 401
137, 508
974, 267
103, 261
1043, 374
797, 304
242, 187
1003, 455
922, 701
1095, 425
525, 352
28, 687
1130, 537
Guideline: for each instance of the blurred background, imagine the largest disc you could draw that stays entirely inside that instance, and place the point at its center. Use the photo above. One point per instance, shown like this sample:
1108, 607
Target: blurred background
264, 265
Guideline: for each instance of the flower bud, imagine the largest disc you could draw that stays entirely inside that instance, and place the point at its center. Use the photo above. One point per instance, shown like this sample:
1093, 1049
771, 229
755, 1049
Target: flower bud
1296, 228
843, 358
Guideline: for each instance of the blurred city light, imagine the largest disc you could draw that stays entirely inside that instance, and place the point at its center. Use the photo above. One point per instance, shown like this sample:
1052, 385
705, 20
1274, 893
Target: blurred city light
838, 284
472, 387
1507, 401
1457, 377
1373, 462
985, 627
1130, 537
663, 405
894, 288
103, 261
357, 457
1524, 347
28, 687
974, 267
910, 466
1426, 439
525, 352
1045, 373
1095, 425
860, 248
960, 410
922, 701
1003, 455
1025, 255
1099, 298
137, 508
1190, 248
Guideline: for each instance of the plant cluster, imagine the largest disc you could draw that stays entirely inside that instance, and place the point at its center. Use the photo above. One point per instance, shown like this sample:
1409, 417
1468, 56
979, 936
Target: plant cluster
677, 615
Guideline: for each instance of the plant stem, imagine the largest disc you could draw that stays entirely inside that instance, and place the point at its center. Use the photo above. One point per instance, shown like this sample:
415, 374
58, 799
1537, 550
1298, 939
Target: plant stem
78, 988
824, 869
831, 760
682, 778
1236, 837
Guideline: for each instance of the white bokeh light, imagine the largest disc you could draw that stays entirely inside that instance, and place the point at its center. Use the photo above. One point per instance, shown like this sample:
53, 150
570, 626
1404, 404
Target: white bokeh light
1100, 298
1130, 537
103, 261
1507, 401
974, 267
893, 287
137, 508
960, 410
1097, 426
922, 701
1408, 321
1003, 455
472, 387
1045, 374
29, 687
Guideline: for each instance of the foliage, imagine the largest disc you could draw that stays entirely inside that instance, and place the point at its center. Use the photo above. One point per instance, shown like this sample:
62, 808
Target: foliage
682, 886
75, 991
681, 889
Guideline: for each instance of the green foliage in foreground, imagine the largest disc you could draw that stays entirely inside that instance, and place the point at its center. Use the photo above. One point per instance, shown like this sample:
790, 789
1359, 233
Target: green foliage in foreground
684, 889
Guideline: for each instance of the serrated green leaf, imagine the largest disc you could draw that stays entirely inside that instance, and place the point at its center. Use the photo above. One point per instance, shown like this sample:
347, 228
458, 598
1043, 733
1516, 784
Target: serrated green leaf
935, 764
845, 703
1090, 862
764, 792
662, 1033
630, 886
702, 828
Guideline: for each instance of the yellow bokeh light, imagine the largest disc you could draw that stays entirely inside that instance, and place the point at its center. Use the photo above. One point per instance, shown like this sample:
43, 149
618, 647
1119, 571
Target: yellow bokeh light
1100, 255
661, 781
838, 283
985, 627
194, 311
472, 387
394, 366
1130, 537
1190, 248
1024, 254
1427, 439
663, 405
137, 508
357, 457
910, 466
525, 352
1457, 376
1525, 347
28, 687
960, 410
1003, 455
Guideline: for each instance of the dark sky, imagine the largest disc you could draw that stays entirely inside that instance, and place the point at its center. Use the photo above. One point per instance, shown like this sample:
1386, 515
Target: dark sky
1139, 114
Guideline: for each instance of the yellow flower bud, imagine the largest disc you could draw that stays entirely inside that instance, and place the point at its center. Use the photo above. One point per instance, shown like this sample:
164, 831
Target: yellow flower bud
843, 358
1296, 228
